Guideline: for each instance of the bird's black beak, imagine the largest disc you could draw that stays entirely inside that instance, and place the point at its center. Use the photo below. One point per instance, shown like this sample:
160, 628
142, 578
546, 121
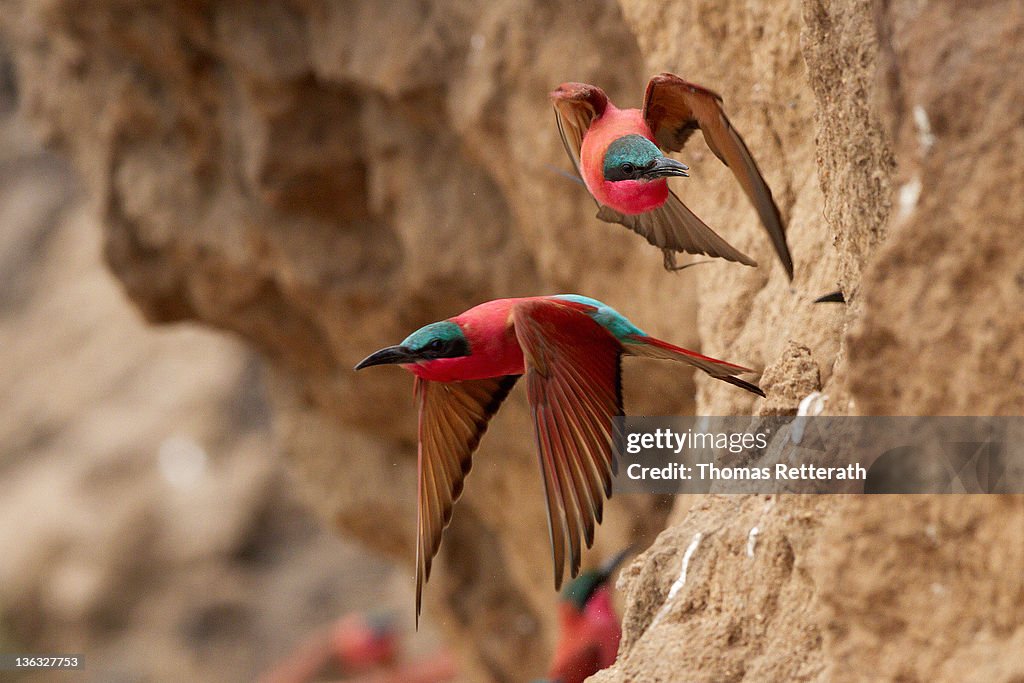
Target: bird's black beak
664, 167
609, 567
388, 356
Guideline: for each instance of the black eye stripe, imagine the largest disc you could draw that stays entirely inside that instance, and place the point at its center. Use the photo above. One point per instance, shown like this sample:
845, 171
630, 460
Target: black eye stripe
444, 348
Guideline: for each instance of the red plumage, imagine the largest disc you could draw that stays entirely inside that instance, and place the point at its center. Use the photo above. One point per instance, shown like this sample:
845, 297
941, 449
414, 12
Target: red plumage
673, 109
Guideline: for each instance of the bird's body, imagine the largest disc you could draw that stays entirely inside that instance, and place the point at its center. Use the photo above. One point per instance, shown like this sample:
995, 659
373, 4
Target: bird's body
569, 348
588, 628
588, 640
620, 155
489, 330
628, 196
356, 644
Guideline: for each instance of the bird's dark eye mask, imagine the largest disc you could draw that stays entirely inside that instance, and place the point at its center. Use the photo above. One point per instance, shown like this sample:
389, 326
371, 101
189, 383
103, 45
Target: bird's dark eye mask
628, 157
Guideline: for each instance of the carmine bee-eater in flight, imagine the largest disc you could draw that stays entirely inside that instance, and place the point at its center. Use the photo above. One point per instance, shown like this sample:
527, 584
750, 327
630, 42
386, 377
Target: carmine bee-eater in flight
588, 630
619, 155
569, 347
356, 644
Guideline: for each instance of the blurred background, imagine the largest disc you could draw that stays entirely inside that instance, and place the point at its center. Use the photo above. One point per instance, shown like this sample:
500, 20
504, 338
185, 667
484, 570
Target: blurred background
210, 211
147, 518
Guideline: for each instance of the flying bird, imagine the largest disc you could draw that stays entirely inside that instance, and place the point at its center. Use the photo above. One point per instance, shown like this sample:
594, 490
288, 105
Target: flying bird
620, 155
356, 644
588, 629
570, 348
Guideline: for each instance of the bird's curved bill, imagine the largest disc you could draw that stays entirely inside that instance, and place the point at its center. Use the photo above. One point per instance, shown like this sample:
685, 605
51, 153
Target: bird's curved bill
614, 562
664, 167
388, 356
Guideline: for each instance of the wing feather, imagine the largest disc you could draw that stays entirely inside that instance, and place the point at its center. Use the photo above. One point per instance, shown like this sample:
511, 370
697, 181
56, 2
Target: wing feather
563, 479
452, 418
674, 109
578, 470
576, 107
675, 228
574, 386
599, 471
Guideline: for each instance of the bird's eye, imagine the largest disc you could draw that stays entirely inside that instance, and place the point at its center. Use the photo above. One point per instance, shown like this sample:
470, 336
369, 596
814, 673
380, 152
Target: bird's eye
436, 345
627, 168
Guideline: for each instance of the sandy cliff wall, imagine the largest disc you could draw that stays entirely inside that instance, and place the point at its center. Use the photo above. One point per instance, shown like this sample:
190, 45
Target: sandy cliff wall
905, 117
320, 178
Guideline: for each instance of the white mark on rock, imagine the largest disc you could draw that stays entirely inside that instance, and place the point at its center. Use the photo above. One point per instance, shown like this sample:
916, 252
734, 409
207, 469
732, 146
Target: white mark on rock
752, 540
909, 194
925, 136
690, 550
181, 461
478, 41
811, 406
702, 423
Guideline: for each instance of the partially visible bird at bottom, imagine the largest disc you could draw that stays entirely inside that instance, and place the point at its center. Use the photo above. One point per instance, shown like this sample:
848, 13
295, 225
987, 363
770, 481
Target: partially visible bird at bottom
570, 349
361, 648
588, 628
355, 644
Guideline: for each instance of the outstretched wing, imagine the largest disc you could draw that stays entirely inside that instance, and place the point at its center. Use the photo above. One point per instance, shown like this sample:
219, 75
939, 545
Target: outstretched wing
452, 418
574, 385
675, 228
576, 106
674, 109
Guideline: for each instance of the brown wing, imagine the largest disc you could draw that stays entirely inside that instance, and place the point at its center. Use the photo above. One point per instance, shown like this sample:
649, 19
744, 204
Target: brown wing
452, 418
576, 106
675, 228
573, 382
674, 109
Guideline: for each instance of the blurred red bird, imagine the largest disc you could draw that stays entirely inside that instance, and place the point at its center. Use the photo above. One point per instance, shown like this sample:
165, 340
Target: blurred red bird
588, 629
570, 348
619, 155
356, 643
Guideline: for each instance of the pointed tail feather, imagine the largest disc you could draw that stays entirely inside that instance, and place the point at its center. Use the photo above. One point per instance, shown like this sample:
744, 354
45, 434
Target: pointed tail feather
650, 347
743, 384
